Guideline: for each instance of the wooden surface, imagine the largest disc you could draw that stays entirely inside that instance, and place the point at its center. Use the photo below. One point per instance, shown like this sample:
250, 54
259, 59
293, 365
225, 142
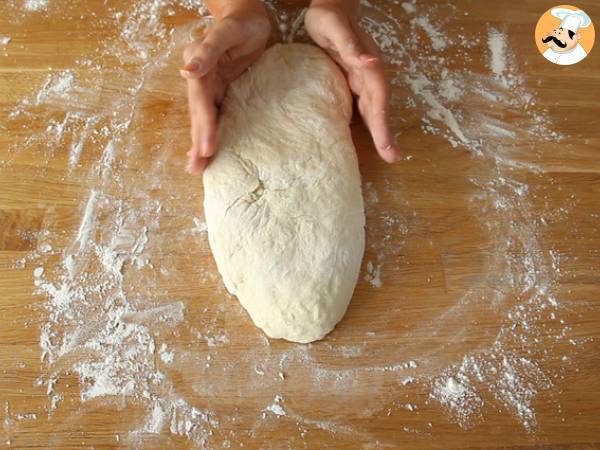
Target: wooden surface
444, 247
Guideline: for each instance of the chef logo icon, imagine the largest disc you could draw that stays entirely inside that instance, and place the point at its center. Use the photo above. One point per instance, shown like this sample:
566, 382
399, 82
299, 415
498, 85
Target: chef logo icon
564, 35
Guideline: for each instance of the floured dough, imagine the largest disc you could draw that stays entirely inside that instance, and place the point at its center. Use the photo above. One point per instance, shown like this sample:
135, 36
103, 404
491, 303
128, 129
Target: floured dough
282, 197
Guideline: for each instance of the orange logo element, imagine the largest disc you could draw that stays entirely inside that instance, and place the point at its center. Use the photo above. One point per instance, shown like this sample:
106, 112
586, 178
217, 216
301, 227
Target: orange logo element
565, 35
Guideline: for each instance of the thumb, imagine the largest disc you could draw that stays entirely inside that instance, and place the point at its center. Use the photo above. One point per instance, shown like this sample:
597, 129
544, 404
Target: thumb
202, 56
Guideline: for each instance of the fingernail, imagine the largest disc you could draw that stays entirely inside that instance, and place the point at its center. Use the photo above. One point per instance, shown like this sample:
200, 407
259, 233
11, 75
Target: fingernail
192, 66
191, 70
186, 74
365, 57
395, 152
205, 147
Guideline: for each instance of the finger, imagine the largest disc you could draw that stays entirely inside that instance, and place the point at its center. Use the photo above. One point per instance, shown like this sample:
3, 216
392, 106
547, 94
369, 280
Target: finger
230, 70
375, 111
203, 116
382, 138
197, 166
201, 56
346, 41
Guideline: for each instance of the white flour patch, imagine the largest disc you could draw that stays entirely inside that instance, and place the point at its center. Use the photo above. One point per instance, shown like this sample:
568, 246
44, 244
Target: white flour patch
166, 355
35, 5
275, 407
421, 86
439, 41
373, 275
409, 7
497, 47
87, 221
56, 86
199, 226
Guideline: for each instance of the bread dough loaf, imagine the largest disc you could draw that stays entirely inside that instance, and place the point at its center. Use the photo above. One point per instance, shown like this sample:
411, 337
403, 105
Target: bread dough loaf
282, 197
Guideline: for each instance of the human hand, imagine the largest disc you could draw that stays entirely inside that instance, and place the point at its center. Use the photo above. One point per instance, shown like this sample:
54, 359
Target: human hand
333, 25
231, 44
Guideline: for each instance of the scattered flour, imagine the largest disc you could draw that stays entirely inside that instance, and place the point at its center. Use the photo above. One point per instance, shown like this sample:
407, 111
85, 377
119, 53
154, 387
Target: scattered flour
373, 275
409, 7
439, 42
510, 378
497, 48
166, 356
56, 86
199, 226
422, 87
36, 5
276, 407
87, 221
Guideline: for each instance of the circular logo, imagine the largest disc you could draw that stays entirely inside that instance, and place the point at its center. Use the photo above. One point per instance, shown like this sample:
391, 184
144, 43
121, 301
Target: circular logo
565, 35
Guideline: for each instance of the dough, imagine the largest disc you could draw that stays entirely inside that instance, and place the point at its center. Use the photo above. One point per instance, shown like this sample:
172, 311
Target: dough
282, 197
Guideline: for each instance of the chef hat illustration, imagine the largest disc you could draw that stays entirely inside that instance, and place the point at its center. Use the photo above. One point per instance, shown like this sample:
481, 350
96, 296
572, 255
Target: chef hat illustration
571, 19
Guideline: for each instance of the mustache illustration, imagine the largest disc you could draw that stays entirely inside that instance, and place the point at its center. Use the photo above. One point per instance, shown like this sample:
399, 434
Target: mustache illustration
556, 41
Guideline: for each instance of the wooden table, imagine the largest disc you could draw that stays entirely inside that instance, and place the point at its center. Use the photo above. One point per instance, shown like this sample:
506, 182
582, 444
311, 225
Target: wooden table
483, 332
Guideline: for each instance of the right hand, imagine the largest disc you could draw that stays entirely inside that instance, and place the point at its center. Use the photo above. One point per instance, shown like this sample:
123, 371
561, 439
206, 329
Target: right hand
227, 48
333, 25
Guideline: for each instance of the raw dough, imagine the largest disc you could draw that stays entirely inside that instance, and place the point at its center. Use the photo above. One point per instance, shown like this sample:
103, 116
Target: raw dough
282, 197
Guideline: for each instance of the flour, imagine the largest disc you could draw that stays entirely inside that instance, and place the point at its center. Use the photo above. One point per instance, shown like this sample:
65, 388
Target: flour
87, 221
460, 399
165, 355
156, 420
77, 146
409, 7
199, 226
421, 86
36, 5
497, 47
55, 86
107, 160
451, 88
277, 410
439, 41
500, 130
512, 381
275, 407
27, 416
373, 275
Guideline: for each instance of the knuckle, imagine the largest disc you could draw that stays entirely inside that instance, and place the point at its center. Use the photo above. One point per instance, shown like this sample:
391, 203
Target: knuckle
207, 46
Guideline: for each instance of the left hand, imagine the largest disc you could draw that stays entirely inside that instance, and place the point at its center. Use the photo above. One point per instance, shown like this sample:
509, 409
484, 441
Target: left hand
236, 39
333, 25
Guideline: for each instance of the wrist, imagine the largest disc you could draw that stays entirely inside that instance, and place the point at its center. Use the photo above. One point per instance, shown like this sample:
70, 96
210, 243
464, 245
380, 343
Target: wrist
224, 8
349, 7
